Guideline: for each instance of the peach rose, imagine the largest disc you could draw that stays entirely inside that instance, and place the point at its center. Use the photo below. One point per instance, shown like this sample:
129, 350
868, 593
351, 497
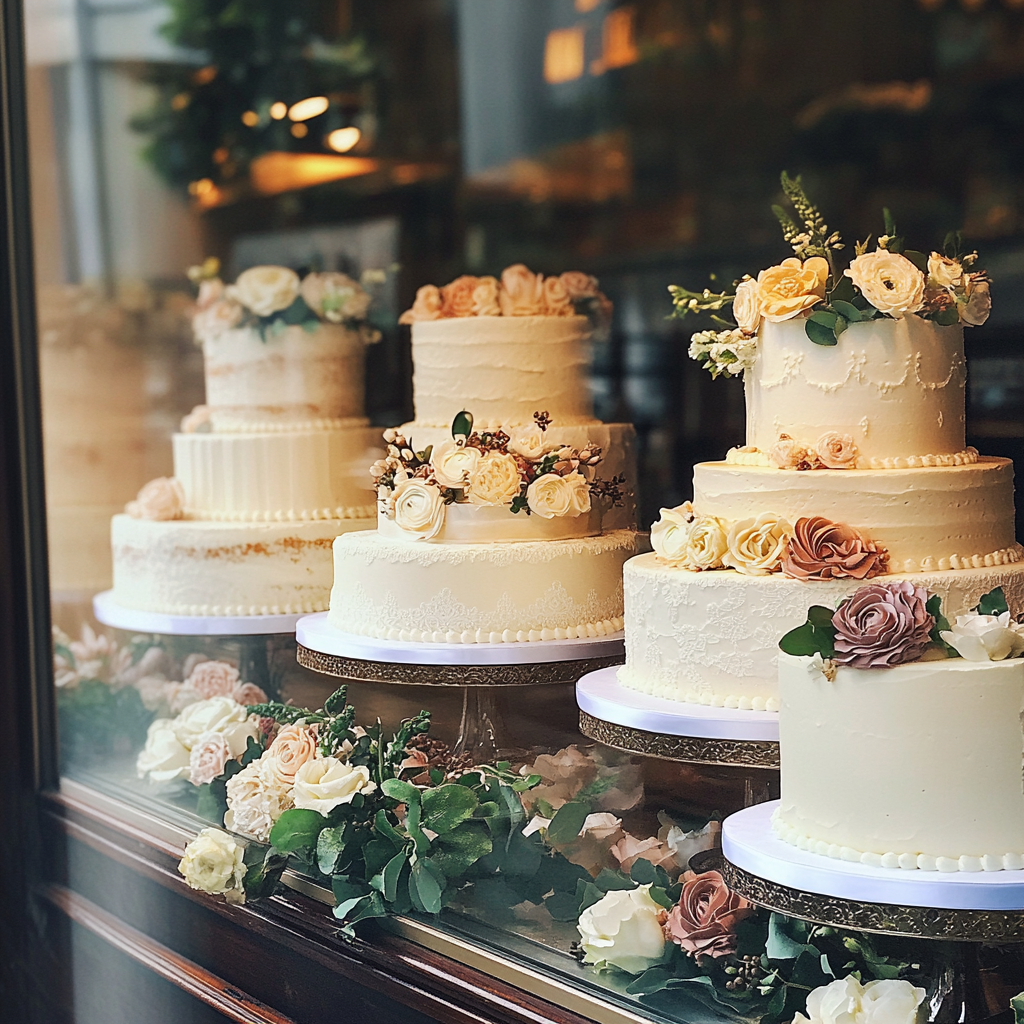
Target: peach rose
579, 285
703, 922
457, 297
944, 272
556, 298
214, 679
485, 297
294, 746
836, 451
426, 307
522, 291
792, 287
161, 499
746, 307
208, 759
216, 318
628, 850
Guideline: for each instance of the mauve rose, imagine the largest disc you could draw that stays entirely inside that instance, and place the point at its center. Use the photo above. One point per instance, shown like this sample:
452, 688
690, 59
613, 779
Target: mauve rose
248, 694
822, 550
882, 625
703, 922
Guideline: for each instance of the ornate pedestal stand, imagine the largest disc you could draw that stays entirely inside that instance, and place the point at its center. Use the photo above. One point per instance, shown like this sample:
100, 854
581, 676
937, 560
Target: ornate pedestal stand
475, 668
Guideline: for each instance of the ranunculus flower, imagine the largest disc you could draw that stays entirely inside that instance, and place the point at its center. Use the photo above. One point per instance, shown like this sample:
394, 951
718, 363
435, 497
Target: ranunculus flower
847, 1001
453, 463
531, 442
624, 930
704, 921
822, 550
836, 451
670, 535
161, 499
419, 508
792, 287
291, 749
485, 297
557, 301
335, 297
550, 496
266, 290
789, 454
985, 637
882, 625
579, 286
164, 757
976, 309
426, 307
522, 292
325, 783
755, 546
214, 679
220, 715
746, 307
218, 317
208, 759
495, 481
213, 863
889, 281
944, 272
457, 297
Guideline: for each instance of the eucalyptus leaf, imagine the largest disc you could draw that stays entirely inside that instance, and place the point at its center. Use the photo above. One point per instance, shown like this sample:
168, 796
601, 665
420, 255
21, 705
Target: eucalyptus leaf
345, 887
824, 316
819, 333
847, 310
369, 907
426, 884
390, 875
800, 642
841, 325
563, 906
329, 847
993, 603
608, 880
462, 424
919, 259
296, 829
819, 616
447, 806
567, 822
403, 792
781, 945
1017, 1005
458, 850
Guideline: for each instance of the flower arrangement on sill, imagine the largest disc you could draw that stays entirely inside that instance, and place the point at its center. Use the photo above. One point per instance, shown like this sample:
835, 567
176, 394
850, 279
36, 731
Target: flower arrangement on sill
890, 281
270, 298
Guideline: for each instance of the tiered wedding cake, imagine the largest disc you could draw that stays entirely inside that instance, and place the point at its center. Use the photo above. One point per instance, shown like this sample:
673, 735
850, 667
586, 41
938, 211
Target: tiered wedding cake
272, 469
506, 509
856, 466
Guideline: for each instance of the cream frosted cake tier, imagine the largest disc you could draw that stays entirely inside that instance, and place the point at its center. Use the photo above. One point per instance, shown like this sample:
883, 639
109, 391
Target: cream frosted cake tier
712, 637
916, 766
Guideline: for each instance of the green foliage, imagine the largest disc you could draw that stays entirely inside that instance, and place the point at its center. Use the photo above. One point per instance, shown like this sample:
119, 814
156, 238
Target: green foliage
992, 603
462, 424
1017, 1005
686, 302
815, 636
97, 720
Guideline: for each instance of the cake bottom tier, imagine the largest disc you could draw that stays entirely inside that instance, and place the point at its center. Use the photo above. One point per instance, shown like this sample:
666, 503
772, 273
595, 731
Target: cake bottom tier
479, 593
712, 637
913, 767
197, 567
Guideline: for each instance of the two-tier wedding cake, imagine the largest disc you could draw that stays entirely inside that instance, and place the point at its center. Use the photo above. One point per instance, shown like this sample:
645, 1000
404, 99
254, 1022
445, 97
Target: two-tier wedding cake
272, 468
505, 507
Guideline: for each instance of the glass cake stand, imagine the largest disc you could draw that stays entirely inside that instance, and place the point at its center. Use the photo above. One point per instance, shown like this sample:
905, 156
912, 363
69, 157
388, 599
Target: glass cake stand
476, 668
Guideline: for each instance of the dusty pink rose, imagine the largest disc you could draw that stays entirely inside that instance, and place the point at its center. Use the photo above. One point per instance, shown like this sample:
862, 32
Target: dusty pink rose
703, 922
579, 285
208, 759
214, 679
628, 850
822, 550
592, 848
882, 625
556, 298
562, 775
248, 694
522, 291
836, 451
292, 748
426, 307
457, 297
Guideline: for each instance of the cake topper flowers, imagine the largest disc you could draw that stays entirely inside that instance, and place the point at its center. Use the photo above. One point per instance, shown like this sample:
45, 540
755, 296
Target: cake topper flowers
889, 281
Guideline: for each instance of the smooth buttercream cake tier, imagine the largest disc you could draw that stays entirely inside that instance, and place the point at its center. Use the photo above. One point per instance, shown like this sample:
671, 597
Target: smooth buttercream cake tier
943, 517
712, 637
917, 766
503, 369
479, 593
192, 567
292, 378
282, 477
895, 386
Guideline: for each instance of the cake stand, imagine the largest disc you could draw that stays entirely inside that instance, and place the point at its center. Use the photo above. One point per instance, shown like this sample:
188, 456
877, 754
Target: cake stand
476, 668
965, 909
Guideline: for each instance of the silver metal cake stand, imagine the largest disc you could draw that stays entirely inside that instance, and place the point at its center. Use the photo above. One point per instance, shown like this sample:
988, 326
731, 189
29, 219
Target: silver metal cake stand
476, 668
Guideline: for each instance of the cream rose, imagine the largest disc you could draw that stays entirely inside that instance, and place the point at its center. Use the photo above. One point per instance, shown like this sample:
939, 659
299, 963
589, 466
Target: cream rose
836, 451
531, 442
485, 297
550, 496
214, 679
944, 272
293, 746
419, 508
522, 292
426, 307
624, 930
847, 1001
164, 757
253, 805
791, 288
335, 297
495, 481
218, 317
976, 309
755, 546
214, 863
325, 783
986, 637
208, 759
457, 297
556, 298
579, 285
746, 307
889, 281
161, 499
670, 535
579, 494
453, 463
266, 290
788, 454
216, 715
707, 544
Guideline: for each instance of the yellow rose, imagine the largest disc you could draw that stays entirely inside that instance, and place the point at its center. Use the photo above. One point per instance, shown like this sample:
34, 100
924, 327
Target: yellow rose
266, 290
670, 535
889, 281
326, 783
522, 292
746, 307
495, 481
792, 287
214, 863
453, 464
419, 508
755, 546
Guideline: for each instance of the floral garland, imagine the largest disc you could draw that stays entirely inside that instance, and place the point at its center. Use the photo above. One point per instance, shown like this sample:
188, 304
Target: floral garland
890, 282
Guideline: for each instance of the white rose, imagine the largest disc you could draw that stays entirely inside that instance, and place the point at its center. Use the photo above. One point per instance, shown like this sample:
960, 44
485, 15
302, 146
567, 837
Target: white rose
531, 442
164, 757
161, 499
944, 272
707, 544
220, 715
419, 508
847, 1001
325, 783
213, 863
889, 281
266, 290
670, 535
217, 318
550, 496
579, 494
335, 297
453, 464
495, 481
254, 804
986, 637
979, 302
746, 307
624, 930
755, 546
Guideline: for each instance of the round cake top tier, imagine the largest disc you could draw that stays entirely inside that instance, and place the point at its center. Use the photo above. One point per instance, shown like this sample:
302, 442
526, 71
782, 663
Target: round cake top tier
503, 369
896, 387
293, 378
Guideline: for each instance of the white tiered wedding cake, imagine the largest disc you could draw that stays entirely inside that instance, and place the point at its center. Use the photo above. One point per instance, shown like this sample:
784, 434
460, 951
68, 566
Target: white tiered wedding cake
271, 469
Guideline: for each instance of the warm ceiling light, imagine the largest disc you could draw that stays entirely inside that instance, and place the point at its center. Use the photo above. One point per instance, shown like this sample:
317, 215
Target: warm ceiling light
250, 119
181, 101
278, 110
341, 140
312, 106
274, 173
205, 75
221, 154
201, 187
300, 131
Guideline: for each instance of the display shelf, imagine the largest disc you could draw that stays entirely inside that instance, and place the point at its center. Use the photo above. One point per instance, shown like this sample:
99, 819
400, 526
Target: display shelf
675, 731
